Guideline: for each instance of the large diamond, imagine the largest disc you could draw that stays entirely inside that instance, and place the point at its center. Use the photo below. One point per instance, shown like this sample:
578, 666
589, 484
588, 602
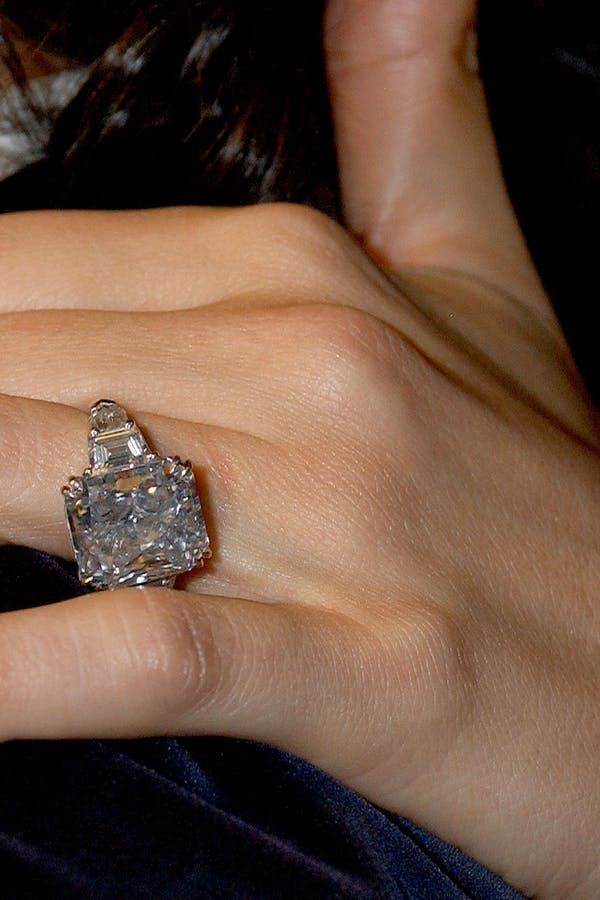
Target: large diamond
137, 524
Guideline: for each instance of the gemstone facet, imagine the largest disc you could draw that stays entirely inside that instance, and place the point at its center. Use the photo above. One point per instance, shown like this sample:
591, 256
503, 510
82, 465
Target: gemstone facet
134, 518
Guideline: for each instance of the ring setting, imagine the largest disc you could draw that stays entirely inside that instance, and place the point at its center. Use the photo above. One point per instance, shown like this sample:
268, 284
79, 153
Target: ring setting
134, 517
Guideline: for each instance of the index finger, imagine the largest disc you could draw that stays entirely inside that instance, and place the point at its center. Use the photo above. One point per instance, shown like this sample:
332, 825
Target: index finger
176, 258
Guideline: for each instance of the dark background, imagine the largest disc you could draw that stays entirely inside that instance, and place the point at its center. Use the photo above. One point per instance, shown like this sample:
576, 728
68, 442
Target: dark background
541, 66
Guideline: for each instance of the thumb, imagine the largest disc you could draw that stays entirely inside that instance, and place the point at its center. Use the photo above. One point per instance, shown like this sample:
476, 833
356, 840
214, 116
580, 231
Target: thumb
420, 174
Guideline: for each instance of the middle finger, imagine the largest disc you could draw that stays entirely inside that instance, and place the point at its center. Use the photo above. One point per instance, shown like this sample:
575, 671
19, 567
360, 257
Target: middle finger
275, 373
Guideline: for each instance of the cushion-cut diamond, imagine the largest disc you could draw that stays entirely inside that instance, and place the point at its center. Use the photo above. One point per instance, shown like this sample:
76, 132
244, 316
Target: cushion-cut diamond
134, 518
136, 525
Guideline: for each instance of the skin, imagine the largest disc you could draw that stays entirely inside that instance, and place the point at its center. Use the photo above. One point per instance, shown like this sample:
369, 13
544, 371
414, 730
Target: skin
398, 460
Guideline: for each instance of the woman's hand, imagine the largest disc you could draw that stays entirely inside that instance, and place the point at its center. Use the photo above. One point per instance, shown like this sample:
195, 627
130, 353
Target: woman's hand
400, 473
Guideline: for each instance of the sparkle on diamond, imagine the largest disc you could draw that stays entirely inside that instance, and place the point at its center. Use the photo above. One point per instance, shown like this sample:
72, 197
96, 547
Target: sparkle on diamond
136, 525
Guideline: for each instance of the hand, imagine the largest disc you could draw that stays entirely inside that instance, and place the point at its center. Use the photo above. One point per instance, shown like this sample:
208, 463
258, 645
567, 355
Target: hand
400, 470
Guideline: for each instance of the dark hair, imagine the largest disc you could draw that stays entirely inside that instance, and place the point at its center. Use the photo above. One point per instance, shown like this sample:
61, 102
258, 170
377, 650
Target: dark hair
186, 102
224, 102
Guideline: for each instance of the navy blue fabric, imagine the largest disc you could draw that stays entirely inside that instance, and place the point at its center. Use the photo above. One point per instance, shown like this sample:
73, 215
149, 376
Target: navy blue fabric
208, 817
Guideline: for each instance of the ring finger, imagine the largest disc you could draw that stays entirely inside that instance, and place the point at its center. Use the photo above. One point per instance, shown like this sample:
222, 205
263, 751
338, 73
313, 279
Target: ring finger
42, 444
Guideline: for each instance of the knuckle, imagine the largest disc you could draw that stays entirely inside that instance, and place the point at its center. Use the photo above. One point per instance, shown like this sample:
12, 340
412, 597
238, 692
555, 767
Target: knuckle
416, 678
345, 329
184, 667
294, 219
413, 681
302, 249
437, 662
345, 353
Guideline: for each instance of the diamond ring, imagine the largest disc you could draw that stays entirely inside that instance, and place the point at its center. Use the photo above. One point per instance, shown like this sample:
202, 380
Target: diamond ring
134, 517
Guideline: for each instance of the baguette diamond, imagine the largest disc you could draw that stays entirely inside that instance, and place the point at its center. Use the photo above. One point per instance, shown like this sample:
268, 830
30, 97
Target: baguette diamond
134, 517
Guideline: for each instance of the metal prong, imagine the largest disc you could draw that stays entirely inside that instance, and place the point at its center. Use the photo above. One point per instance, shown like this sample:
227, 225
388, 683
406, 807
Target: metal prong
73, 489
173, 465
187, 470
